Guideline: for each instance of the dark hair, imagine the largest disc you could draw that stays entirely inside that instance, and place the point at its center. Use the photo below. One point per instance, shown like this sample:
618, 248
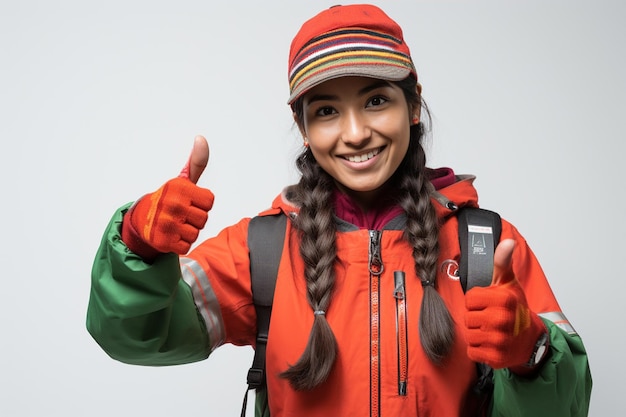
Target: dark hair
317, 228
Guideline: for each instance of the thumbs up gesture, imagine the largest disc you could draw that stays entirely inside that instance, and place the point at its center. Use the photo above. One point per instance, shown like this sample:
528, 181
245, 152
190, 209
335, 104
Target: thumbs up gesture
501, 330
170, 219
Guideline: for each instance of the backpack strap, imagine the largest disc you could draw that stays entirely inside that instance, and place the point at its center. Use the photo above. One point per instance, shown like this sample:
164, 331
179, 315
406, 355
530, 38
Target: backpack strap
479, 234
266, 236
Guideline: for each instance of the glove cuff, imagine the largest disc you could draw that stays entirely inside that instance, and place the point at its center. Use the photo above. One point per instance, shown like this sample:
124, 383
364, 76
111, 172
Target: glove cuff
132, 239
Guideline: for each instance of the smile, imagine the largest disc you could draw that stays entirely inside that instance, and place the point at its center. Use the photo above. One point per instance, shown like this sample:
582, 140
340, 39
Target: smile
363, 157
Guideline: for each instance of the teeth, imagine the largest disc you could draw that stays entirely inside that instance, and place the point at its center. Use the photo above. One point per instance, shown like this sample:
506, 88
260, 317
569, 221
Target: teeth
364, 157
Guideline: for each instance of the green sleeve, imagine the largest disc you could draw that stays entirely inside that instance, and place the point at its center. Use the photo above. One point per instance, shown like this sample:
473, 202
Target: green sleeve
562, 387
142, 313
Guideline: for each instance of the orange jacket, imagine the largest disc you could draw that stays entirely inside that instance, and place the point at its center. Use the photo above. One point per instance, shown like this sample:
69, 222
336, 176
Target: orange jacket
374, 356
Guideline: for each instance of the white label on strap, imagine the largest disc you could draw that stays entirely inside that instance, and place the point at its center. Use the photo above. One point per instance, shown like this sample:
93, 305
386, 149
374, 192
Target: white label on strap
485, 230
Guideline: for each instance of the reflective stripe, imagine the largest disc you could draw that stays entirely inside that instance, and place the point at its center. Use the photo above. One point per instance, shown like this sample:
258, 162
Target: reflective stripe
560, 320
205, 300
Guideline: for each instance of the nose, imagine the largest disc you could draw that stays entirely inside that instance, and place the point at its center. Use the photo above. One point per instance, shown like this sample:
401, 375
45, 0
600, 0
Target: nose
355, 129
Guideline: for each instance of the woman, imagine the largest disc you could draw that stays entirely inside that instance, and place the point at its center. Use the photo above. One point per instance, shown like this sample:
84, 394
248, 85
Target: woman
365, 320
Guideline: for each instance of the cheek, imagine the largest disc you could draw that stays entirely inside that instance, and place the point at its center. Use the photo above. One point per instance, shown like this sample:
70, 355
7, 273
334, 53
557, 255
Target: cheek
321, 139
400, 149
401, 137
321, 155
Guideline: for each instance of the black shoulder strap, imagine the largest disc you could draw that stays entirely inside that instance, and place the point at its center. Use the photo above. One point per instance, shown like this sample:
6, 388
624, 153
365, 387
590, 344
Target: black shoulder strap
266, 236
479, 233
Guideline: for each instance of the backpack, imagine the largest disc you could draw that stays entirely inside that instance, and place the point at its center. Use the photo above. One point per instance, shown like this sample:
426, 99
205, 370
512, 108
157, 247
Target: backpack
479, 232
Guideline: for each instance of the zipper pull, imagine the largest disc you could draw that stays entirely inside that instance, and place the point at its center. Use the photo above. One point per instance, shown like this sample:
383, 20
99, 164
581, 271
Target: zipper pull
375, 260
398, 292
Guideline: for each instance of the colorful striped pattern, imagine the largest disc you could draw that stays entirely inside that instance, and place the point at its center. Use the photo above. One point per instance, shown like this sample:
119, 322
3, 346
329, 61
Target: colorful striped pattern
351, 51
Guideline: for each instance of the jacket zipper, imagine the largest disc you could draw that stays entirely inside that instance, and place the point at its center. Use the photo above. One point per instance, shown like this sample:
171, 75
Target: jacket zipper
401, 331
376, 268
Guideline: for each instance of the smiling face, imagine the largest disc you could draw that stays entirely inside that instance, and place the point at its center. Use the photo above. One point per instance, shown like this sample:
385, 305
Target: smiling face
358, 130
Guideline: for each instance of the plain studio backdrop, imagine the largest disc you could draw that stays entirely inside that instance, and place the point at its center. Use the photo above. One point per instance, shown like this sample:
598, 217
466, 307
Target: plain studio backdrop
100, 101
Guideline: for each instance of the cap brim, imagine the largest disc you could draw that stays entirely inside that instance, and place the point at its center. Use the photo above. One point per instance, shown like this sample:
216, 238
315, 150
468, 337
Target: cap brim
383, 72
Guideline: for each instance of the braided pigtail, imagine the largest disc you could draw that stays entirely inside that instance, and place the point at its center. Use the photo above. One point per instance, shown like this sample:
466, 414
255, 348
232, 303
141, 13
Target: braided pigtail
436, 328
316, 225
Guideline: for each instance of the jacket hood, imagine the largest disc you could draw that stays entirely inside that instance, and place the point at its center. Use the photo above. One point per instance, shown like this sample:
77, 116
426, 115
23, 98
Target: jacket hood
459, 194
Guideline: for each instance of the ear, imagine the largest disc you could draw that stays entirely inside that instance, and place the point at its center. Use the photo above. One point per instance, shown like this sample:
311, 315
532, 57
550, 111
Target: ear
300, 126
416, 109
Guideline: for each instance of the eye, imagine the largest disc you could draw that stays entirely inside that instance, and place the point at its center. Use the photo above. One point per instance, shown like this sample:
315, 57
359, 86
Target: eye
376, 101
325, 111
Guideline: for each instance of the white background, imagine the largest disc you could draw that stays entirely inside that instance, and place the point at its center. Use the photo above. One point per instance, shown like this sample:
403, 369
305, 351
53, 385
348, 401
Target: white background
100, 101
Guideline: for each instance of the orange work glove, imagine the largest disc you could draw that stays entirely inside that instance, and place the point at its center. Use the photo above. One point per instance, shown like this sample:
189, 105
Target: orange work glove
501, 330
170, 219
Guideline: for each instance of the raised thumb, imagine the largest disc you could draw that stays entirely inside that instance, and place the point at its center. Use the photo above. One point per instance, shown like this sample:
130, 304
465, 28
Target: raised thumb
502, 263
198, 160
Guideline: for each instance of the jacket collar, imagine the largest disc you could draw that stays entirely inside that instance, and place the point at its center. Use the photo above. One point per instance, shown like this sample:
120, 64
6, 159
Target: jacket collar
446, 201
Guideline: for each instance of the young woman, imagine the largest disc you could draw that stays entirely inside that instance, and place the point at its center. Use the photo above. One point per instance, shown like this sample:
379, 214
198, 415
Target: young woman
366, 319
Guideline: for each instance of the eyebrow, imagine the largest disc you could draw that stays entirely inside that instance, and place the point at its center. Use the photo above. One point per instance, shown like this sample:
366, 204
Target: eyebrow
370, 87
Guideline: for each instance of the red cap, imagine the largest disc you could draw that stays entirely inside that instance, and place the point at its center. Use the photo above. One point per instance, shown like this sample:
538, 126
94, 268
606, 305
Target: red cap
352, 40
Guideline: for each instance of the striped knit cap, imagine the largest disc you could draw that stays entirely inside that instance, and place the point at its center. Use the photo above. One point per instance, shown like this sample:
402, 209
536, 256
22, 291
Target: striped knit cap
353, 40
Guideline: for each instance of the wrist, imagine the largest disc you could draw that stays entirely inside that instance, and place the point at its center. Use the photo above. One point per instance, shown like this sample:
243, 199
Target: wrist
539, 352
537, 356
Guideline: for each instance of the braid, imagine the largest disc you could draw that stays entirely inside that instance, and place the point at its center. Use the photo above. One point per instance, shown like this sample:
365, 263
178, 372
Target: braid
422, 230
316, 225
318, 249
